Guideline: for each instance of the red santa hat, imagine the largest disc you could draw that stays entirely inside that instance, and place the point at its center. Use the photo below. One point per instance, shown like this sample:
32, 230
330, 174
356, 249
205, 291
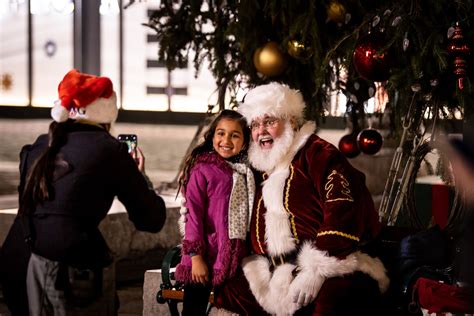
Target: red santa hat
273, 99
86, 97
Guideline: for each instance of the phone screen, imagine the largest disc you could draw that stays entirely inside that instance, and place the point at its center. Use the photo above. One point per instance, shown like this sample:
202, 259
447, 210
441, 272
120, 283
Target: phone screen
130, 140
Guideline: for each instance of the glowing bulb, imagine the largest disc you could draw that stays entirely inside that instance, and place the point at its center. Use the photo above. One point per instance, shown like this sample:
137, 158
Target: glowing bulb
63, 6
109, 7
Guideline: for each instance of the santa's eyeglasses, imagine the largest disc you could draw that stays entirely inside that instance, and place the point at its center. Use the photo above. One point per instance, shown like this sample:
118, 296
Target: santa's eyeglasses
267, 123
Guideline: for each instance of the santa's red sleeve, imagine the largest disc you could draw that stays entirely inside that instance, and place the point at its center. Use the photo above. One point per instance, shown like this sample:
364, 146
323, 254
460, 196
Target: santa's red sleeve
349, 216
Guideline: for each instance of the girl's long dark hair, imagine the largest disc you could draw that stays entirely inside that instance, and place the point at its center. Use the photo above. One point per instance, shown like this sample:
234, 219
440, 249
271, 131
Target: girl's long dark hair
38, 187
206, 145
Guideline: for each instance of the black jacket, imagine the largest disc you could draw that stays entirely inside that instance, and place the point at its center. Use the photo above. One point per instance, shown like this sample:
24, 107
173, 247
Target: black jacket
95, 168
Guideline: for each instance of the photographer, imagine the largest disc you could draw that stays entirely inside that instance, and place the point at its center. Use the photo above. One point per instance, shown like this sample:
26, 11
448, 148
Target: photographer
54, 260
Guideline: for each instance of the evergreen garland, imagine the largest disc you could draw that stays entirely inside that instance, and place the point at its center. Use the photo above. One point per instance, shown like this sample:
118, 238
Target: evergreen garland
228, 32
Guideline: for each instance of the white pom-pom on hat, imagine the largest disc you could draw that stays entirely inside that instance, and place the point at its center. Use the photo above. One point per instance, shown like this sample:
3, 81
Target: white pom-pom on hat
59, 113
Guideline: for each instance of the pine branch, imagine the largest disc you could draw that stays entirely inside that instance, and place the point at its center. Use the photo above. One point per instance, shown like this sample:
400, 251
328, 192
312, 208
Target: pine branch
239, 28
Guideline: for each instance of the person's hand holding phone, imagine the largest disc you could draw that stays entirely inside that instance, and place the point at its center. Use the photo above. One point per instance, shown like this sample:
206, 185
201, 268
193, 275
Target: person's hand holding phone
137, 154
132, 142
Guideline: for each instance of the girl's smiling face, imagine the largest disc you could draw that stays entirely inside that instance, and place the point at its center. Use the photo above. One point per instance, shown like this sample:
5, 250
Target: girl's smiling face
228, 138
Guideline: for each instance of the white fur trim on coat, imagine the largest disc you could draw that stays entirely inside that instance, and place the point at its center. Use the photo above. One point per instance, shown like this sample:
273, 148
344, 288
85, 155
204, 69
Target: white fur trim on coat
312, 259
274, 99
270, 289
274, 291
278, 236
374, 268
221, 312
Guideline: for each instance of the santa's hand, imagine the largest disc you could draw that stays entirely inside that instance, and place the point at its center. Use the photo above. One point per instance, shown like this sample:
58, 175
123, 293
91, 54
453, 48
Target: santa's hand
305, 287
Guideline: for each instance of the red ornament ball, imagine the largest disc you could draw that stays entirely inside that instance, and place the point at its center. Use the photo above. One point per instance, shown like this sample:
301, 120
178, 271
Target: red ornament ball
372, 59
370, 141
348, 145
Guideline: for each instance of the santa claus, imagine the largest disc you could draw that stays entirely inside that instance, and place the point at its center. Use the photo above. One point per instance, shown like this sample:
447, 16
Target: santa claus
312, 216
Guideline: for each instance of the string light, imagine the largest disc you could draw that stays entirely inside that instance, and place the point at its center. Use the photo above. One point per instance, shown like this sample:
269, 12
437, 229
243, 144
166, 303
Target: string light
109, 7
44, 7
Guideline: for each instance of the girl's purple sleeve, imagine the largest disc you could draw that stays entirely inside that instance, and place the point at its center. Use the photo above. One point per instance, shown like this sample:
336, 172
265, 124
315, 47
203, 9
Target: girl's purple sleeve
196, 203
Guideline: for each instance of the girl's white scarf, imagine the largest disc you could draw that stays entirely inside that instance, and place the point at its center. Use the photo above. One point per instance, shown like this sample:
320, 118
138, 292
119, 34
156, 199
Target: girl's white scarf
241, 200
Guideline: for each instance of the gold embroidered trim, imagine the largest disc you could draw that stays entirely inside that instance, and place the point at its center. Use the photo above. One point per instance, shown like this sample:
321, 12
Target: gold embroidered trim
264, 176
258, 217
338, 233
287, 208
345, 188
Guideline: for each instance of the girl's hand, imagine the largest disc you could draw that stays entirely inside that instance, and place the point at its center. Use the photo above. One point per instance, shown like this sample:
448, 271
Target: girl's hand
199, 270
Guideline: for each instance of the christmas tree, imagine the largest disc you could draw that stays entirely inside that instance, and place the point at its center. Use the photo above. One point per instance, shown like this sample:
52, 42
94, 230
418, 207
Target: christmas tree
417, 49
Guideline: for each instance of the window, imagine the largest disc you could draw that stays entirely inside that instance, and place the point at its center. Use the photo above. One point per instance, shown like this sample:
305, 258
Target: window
52, 52
13, 53
110, 43
141, 82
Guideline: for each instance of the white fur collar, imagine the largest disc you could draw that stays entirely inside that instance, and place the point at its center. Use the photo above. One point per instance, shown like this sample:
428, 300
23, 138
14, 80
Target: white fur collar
278, 235
301, 136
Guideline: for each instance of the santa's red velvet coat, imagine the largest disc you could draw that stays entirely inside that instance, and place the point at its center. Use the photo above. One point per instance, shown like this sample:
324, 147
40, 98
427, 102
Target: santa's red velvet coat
312, 211
326, 200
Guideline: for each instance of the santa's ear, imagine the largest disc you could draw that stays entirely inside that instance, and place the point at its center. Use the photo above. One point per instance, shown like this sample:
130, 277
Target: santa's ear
294, 123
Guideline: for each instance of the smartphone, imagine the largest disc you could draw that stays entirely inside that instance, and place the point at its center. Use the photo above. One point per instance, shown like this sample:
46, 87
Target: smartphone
131, 141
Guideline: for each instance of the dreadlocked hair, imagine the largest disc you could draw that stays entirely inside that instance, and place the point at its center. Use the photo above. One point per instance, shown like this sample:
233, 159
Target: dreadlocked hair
38, 187
207, 146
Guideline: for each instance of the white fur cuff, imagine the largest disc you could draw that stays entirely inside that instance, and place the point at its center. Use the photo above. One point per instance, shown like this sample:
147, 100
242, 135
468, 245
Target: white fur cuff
313, 259
270, 289
320, 262
281, 293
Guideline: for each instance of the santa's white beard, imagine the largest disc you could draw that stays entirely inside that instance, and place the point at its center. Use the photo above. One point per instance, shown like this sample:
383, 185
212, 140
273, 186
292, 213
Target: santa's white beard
266, 159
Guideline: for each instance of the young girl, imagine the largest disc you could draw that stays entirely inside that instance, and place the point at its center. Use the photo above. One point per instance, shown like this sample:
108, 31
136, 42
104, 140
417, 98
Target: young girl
219, 190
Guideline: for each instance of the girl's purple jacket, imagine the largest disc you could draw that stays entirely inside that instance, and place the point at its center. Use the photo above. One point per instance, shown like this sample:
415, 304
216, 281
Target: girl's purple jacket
206, 226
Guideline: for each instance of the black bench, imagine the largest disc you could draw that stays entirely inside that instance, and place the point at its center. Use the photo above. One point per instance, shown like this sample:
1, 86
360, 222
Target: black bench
171, 292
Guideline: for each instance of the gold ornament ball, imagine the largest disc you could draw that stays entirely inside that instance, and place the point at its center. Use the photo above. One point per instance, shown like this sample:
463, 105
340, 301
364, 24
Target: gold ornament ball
269, 60
298, 50
336, 12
